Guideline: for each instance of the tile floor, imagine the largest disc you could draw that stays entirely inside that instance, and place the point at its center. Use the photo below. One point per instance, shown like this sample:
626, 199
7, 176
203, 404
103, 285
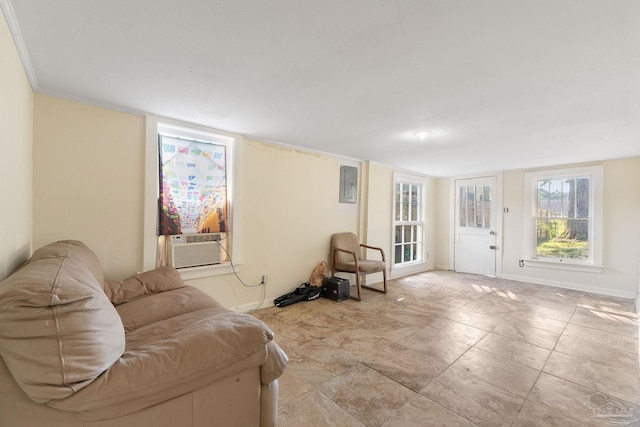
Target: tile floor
450, 349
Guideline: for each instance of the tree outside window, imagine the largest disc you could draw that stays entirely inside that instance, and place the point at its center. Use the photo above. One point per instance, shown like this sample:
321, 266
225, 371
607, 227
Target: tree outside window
408, 224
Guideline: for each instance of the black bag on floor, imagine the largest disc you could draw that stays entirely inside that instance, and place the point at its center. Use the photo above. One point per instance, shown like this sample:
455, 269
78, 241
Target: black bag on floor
304, 292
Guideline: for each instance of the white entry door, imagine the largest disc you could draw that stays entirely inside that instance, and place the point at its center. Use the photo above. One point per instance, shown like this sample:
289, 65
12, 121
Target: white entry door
475, 225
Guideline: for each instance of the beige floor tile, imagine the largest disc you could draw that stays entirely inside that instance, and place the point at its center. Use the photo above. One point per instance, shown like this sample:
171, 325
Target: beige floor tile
458, 331
292, 386
554, 303
408, 367
537, 310
411, 314
616, 381
471, 318
605, 339
314, 409
615, 305
540, 322
604, 321
515, 350
366, 394
430, 343
473, 399
360, 363
498, 371
318, 362
596, 353
573, 400
524, 331
534, 415
361, 343
491, 307
422, 412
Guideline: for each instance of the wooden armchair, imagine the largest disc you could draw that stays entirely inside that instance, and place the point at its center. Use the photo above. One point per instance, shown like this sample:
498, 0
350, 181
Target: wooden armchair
346, 256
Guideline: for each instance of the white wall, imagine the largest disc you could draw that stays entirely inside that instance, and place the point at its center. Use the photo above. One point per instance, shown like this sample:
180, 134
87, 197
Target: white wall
16, 145
620, 242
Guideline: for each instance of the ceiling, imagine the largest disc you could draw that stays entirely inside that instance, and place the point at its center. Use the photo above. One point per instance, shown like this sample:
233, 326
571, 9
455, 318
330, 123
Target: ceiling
501, 84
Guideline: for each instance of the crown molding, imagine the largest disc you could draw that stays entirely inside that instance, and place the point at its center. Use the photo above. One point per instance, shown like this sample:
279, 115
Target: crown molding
14, 29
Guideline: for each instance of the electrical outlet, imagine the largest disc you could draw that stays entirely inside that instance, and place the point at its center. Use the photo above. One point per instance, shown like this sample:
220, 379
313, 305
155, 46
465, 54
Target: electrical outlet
264, 279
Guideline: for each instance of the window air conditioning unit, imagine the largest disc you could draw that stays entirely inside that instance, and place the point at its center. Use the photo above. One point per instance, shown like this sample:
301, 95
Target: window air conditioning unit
193, 250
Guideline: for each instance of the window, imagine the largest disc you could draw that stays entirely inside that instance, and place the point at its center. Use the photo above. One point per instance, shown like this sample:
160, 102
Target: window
408, 223
189, 189
193, 183
564, 216
475, 206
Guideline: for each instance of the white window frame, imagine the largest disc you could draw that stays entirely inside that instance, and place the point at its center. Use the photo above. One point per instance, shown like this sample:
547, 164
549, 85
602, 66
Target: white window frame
407, 179
596, 193
234, 142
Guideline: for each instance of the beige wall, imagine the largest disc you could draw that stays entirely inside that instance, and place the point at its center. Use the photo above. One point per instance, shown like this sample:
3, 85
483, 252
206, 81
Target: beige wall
289, 211
88, 180
444, 224
89, 184
621, 234
16, 144
77, 173
378, 215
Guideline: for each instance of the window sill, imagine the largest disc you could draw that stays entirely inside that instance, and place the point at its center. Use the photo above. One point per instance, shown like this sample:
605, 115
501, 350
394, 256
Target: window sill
189, 273
408, 265
564, 265
406, 269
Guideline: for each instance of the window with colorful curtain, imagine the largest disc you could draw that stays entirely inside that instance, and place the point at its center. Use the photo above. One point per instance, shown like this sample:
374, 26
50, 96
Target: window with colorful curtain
193, 186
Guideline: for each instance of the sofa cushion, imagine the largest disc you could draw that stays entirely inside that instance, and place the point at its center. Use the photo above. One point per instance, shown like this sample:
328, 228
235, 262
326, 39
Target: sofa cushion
171, 357
154, 281
164, 305
58, 329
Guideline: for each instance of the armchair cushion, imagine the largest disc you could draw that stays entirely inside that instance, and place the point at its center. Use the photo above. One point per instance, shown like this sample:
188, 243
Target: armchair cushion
58, 330
366, 266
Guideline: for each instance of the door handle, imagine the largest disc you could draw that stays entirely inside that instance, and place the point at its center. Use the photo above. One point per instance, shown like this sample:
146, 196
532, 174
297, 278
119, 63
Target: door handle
492, 233
493, 247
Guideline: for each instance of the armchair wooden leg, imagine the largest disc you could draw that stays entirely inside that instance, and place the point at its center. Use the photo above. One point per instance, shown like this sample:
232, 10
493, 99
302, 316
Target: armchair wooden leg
358, 286
384, 284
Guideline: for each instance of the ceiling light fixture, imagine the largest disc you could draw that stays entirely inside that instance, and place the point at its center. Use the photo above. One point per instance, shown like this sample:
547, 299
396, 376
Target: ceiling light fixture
422, 134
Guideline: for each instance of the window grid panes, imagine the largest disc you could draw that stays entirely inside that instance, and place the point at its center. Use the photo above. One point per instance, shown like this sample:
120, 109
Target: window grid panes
408, 223
475, 206
563, 218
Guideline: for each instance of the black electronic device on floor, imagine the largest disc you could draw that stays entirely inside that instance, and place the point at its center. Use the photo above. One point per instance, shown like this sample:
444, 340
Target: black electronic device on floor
335, 288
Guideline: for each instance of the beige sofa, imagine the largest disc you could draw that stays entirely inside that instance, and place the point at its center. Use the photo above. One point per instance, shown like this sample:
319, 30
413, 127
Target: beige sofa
77, 350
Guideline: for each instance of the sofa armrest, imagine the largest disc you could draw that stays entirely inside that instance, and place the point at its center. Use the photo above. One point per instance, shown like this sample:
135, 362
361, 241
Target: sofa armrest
275, 364
172, 357
153, 281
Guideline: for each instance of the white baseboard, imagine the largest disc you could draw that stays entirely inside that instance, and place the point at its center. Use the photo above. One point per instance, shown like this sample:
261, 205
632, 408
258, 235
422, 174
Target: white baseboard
572, 286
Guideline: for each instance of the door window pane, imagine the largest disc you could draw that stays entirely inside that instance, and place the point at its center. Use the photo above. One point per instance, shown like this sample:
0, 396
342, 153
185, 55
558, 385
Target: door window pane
475, 206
